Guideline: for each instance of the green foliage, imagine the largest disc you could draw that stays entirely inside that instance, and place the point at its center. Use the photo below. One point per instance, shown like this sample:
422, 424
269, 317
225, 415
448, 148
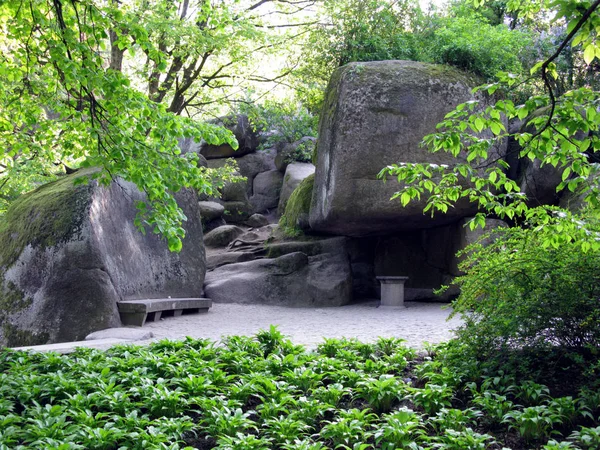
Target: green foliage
248, 393
61, 103
285, 122
432, 398
105, 84
518, 292
377, 30
350, 31
534, 422
400, 429
586, 438
466, 439
380, 394
475, 46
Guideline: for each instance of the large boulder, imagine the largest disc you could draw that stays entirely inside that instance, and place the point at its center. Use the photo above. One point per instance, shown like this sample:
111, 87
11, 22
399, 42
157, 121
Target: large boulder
257, 221
244, 132
267, 187
294, 279
70, 252
237, 212
234, 191
210, 211
222, 236
376, 114
254, 163
294, 174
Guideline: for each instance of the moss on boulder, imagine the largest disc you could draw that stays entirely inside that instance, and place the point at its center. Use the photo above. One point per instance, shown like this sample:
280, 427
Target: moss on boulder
45, 217
295, 219
70, 251
376, 114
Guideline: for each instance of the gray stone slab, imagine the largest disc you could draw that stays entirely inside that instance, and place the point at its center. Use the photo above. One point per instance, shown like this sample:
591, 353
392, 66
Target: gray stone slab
69, 347
130, 334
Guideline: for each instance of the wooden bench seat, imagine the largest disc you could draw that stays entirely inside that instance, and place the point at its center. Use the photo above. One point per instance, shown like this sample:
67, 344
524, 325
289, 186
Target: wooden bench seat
137, 312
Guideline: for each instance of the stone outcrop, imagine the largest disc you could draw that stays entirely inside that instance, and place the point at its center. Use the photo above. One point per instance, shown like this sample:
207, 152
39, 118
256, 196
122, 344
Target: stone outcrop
376, 114
249, 165
254, 163
70, 252
210, 211
257, 221
222, 236
266, 190
294, 174
237, 212
244, 132
294, 279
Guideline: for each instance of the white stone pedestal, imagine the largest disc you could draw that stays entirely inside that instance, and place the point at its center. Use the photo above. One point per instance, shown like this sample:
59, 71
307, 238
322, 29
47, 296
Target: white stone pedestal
392, 291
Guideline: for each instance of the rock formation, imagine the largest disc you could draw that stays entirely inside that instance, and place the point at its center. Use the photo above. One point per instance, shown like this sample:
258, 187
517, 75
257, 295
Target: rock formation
376, 114
70, 252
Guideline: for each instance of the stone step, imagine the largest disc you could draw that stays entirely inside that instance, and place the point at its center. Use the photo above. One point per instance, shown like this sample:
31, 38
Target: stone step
138, 312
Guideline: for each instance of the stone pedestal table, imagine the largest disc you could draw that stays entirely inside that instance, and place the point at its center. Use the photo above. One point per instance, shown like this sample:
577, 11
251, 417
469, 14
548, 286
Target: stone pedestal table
392, 291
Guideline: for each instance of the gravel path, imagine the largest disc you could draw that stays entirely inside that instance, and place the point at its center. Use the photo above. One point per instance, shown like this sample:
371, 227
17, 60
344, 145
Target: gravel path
418, 323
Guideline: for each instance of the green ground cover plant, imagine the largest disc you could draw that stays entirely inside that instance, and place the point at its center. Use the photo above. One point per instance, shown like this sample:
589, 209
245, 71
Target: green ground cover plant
264, 392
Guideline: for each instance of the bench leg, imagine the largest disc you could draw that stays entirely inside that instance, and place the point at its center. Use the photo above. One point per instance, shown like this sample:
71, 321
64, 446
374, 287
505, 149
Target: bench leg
135, 319
155, 316
177, 312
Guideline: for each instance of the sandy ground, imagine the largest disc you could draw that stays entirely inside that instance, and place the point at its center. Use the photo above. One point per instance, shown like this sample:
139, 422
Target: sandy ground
417, 323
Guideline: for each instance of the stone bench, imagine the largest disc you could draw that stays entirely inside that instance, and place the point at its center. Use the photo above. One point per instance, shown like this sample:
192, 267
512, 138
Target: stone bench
137, 312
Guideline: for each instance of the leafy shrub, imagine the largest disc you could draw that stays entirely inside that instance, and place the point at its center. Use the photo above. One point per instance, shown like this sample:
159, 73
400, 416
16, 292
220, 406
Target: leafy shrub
284, 122
380, 394
520, 292
432, 398
277, 396
534, 422
473, 45
302, 152
400, 429
466, 439
587, 438
494, 406
455, 419
350, 428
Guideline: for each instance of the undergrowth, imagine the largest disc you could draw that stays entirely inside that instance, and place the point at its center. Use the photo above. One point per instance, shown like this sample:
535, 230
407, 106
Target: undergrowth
263, 392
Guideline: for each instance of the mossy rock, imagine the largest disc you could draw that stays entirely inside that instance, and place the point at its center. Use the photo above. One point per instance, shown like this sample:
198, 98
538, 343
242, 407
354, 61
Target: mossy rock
376, 114
45, 217
70, 251
295, 219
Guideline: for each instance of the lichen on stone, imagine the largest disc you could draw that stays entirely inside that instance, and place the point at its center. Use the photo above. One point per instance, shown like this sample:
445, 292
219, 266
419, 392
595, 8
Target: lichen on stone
47, 216
12, 300
14, 336
298, 204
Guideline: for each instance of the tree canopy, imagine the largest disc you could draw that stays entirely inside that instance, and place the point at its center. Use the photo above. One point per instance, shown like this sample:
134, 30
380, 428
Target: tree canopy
115, 84
560, 128
111, 84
